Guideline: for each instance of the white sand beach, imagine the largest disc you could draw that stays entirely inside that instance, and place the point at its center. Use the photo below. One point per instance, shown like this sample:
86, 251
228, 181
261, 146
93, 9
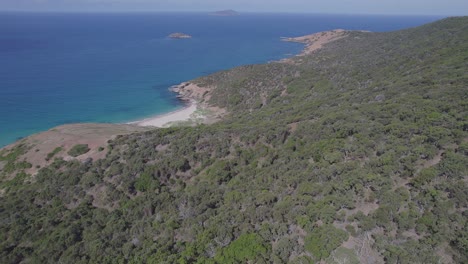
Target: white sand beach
165, 120
196, 111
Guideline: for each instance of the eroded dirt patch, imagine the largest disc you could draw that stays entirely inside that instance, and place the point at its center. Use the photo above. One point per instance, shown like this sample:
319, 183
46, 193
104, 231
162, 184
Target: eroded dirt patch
65, 137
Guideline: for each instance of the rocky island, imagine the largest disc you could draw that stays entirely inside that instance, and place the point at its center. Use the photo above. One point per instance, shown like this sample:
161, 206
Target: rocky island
179, 36
225, 13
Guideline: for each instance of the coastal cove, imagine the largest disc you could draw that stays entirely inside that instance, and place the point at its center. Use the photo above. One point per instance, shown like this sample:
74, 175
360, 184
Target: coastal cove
194, 97
195, 111
59, 69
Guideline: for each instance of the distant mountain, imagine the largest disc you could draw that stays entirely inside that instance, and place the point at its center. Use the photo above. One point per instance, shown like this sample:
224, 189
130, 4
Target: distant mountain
225, 13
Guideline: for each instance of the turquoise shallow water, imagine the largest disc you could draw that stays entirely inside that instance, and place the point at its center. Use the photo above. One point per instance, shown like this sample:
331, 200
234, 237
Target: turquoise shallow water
67, 68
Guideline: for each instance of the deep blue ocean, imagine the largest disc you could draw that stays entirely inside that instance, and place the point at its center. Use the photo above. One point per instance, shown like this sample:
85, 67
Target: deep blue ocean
68, 68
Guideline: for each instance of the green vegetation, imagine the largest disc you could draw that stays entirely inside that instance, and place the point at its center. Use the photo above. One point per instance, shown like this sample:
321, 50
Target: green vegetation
12, 163
323, 240
246, 248
355, 153
53, 153
78, 150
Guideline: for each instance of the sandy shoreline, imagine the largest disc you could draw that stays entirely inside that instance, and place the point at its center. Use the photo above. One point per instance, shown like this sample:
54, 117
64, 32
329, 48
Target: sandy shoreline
164, 120
195, 111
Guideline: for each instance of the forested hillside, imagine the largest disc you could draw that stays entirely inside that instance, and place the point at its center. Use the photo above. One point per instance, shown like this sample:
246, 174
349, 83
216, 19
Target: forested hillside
356, 153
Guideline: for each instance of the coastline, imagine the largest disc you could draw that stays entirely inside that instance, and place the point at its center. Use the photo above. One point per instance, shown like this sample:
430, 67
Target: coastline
119, 98
314, 41
196, 109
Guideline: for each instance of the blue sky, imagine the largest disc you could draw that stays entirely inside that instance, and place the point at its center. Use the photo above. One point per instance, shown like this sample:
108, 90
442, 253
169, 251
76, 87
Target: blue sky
418, 7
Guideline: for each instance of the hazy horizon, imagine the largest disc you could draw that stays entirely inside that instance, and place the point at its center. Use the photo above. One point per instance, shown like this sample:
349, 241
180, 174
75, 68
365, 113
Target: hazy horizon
357, 7
208, 12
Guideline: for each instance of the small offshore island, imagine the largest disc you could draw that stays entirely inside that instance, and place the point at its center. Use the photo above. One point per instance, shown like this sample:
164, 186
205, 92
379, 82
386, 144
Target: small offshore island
179, 35
225, 13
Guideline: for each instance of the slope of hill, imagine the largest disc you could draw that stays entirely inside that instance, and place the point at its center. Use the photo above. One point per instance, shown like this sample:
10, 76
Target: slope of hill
355, 152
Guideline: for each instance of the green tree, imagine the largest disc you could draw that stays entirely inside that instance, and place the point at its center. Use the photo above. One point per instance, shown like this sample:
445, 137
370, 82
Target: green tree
324, 239
248, 247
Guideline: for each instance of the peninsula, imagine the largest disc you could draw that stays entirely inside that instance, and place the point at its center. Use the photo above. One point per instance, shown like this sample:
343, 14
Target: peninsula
315, 41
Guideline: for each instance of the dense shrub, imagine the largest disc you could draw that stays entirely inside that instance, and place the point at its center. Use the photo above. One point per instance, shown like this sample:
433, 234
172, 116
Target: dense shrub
78, 150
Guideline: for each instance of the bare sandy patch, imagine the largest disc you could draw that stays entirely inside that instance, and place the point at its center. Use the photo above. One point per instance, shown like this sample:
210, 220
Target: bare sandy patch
65, 137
